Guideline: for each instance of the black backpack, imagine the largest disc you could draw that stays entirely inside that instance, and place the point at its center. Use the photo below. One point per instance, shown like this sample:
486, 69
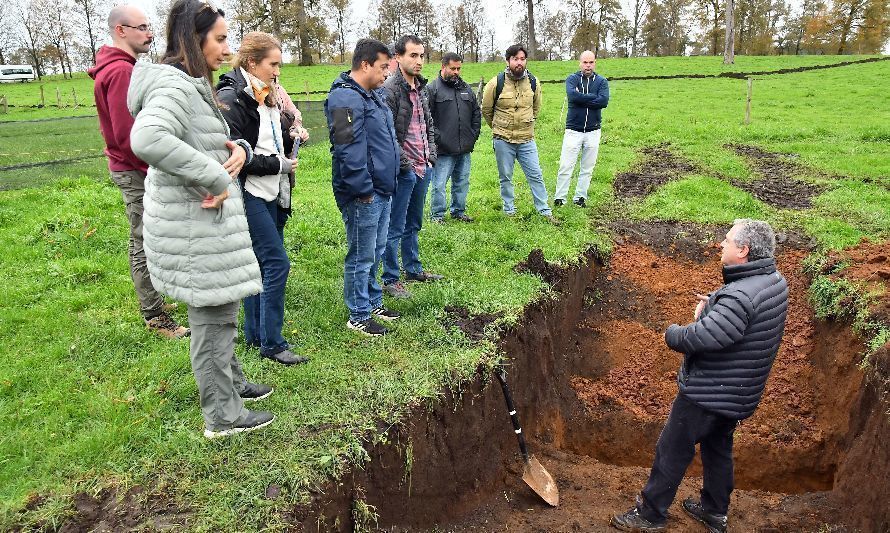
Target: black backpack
500, 86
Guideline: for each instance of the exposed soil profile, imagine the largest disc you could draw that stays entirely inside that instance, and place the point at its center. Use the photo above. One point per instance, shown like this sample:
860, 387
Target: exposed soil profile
778, 184
659, 166
593, 383
867, 265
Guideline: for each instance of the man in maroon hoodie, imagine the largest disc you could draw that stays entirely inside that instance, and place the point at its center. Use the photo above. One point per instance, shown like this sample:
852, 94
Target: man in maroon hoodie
131, 35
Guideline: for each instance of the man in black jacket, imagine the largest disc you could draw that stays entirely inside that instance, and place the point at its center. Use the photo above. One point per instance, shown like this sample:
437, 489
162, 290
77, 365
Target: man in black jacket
458, 121
407, 98
728, 352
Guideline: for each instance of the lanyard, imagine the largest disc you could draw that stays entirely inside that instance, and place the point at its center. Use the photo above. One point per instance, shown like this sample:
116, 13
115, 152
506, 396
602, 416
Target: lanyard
275, 135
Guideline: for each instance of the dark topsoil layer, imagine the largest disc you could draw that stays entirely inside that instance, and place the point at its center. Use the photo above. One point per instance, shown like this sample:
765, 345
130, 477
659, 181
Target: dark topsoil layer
592, 385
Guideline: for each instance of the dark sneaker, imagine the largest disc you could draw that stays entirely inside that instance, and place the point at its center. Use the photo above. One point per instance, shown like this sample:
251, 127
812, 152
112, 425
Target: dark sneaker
716, 523
285, 357
580, 202
632, 521
462, 217
386, 314
437, 220
253, 421
423, 276
397, 290
255, 391
368, 327
559, 203
165, 326
553, 220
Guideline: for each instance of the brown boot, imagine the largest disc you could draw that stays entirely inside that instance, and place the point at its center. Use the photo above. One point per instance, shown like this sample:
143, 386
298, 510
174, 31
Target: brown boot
165, 326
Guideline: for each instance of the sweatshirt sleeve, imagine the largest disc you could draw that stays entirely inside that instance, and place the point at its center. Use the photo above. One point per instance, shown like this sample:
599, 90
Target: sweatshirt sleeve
157, 139
598, 100
117, 82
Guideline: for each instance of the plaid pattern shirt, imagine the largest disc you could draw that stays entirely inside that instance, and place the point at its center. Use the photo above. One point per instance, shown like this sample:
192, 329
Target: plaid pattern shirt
416, 145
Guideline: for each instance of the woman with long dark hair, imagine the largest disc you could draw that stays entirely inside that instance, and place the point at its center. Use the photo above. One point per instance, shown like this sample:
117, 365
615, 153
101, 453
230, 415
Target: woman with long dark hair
196, 238
248, 99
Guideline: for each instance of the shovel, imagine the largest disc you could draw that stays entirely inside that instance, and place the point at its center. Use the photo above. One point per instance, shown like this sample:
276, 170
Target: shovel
534, 475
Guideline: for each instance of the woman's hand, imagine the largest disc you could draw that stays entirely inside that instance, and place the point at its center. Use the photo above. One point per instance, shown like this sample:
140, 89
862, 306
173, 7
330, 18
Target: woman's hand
236, 160
215, 202
300, 132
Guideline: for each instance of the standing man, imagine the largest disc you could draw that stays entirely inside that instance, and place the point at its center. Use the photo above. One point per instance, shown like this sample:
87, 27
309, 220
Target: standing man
728, 352
364, 165
458, 120
510, 104
588, 94
407, 98
131, 35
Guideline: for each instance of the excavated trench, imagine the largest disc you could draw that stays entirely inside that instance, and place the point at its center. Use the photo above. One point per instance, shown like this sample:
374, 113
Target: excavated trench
593, 383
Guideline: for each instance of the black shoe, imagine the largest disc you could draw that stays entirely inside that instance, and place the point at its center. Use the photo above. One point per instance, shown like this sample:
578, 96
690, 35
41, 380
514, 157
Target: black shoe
559, 203
386, 314
285, 357
716, 523
632, 521
462, 217
255, 391
253, 421
580, 202
368, 327
423, 276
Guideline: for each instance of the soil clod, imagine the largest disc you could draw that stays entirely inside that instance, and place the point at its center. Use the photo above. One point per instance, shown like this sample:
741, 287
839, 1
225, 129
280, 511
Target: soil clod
778, 184
659, 166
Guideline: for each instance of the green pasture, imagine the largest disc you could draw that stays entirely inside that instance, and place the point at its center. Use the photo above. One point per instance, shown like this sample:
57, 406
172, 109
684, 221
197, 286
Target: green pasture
89, 399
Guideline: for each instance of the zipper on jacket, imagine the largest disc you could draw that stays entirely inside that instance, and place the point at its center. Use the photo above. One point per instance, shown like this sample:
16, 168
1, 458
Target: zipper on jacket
586, 109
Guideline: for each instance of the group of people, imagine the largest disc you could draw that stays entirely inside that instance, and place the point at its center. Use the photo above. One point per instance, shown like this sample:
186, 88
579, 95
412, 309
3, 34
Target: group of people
207, 172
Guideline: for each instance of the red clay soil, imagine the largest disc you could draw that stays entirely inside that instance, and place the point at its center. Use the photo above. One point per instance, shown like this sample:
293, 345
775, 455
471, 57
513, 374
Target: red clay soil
867, 264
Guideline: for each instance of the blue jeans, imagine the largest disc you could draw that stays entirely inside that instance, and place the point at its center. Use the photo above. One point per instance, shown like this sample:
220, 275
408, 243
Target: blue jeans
456, 167
404, 225
366, 229
264, 312
526, 153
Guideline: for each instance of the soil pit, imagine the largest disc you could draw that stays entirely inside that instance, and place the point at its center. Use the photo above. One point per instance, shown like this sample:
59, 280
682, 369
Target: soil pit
778, 185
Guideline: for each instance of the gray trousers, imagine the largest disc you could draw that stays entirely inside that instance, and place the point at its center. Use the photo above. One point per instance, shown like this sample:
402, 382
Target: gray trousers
132, 186
215, 366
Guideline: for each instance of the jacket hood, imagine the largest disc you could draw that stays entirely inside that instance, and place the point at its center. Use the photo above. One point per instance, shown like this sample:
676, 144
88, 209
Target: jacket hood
345, 81
233, 79
751, 268
149, 76
108, 55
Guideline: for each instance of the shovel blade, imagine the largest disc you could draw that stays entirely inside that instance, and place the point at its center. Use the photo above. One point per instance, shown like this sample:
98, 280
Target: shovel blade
540, 481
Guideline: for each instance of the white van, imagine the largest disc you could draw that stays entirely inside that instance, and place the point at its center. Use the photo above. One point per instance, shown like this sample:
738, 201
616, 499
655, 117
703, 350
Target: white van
22, 73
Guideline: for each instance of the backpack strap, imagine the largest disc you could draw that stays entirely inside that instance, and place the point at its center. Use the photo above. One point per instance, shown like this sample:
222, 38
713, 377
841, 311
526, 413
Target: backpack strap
500, 84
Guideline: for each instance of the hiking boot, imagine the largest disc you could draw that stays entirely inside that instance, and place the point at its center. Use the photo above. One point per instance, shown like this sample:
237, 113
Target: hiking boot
462, 218
255, 391
716, 523
423, 276
165, 326
285, 357
367, 327
253, 421
580, 202
386, 314
632, 521
559, 203
169, 308
553, 220
397, 290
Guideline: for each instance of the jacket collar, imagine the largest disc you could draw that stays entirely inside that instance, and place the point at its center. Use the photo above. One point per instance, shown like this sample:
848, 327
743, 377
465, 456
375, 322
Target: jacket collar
751, 268
457, 84
420, 81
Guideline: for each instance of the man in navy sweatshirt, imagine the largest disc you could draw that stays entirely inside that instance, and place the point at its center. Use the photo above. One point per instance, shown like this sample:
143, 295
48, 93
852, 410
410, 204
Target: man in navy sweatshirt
588, 94
131, 35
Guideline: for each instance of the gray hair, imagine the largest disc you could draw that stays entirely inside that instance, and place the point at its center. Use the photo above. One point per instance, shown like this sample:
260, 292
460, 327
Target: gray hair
758, 236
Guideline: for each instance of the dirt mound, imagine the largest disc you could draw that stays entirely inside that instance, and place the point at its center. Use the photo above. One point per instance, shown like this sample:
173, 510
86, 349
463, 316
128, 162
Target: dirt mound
537, 265
658, 167
473, 326
778, 184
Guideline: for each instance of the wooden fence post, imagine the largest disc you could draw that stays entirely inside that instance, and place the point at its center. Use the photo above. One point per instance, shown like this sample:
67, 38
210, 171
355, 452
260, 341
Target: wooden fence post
42, 99
74, 95
306, 88
58, 98
748, 101
479, 88
4, 104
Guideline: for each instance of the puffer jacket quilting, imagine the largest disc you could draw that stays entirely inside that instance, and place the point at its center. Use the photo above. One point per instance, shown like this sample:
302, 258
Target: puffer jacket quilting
729, 351
202, 257
396, 89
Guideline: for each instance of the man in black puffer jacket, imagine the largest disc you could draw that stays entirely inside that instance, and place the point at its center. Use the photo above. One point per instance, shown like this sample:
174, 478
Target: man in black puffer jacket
728, 352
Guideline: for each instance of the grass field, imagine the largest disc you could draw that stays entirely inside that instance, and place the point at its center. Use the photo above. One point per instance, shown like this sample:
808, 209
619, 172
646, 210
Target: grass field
89, 399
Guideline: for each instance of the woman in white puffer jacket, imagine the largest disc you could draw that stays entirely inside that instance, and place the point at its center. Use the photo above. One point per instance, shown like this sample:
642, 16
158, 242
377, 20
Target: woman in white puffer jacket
196, 238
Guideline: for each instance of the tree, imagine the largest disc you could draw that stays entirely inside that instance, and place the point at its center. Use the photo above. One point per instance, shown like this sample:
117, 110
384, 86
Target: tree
847, 13
874, 30
340, 12
33, 38
397, 18
55, 16
710, 15
729, 42
638, 8
530, 22
607, 15
467, 22
555, 35
89, 14
8, 36
664, 33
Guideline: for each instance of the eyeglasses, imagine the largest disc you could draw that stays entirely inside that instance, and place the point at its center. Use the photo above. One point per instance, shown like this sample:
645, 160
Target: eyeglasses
141, 27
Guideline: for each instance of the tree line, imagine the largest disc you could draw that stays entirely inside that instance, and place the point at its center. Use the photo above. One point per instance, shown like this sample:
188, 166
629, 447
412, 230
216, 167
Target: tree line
62, 36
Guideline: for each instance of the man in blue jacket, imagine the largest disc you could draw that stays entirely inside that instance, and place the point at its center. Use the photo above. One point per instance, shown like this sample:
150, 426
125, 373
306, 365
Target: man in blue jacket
364, 165
728, 352
588, 94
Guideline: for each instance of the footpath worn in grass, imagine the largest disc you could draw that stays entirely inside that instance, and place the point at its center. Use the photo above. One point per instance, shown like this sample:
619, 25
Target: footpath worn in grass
88, 398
